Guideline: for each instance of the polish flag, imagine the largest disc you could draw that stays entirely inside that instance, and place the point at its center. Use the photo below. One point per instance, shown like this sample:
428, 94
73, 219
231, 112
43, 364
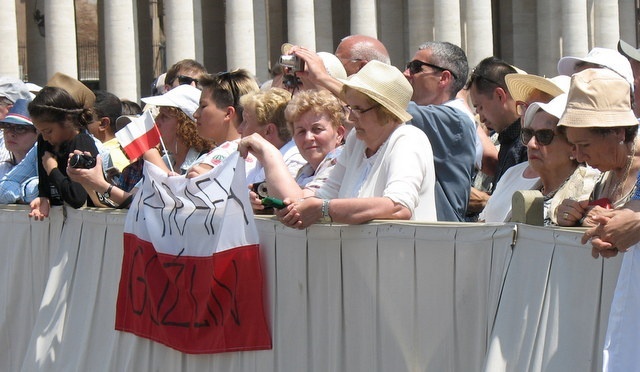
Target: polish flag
191, 276
139, 136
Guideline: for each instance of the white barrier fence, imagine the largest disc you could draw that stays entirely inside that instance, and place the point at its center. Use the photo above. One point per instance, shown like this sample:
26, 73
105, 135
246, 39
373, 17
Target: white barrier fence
375, 297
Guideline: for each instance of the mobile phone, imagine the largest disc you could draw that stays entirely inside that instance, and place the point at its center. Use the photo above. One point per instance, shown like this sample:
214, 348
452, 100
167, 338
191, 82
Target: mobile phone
271, 202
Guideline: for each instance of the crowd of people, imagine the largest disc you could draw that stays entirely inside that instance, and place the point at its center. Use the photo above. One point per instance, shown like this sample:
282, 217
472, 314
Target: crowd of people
347, 137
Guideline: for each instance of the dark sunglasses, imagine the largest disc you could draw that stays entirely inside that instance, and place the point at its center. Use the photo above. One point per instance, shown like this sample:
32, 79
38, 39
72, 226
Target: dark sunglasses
415, 67
543, 136
186, 80
476, 76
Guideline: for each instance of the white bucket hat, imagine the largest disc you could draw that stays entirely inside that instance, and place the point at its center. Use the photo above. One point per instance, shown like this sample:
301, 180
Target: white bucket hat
185, 97
384, 84
521, 86
605, 57
598, 97
555, 107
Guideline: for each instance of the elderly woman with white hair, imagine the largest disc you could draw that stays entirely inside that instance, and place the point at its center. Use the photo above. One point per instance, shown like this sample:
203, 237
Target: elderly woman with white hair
385, 171
550, 168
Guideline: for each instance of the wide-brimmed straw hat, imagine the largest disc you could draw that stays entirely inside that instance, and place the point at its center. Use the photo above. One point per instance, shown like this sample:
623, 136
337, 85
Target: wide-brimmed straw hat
598, 97
521, 86
384, 84
555, 108
605, 57
185, 97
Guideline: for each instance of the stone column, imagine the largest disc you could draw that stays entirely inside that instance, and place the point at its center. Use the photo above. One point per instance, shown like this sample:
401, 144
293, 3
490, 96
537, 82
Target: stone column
240, 35
301, 23
606, 24
36, 48
121, 53
364, 18
60, 37
179, 28
524, 36
479, 31
420, 18
549, 35
324, 31
575, 39
446, 19
9, 63
627, 16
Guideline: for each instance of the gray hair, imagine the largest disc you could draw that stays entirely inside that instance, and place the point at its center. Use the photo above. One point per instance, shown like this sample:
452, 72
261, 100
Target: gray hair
450, 57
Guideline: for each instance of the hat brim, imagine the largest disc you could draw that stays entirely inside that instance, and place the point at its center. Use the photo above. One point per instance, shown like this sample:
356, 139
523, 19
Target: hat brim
521, 86
581, 118
628, 50
17, 120
399, 112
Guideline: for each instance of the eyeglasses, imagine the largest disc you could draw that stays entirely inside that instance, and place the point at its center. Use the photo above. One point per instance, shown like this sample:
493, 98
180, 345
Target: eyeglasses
17, 129
358, 111
521, 107
233, 88
186, 80
543, 136
415, 67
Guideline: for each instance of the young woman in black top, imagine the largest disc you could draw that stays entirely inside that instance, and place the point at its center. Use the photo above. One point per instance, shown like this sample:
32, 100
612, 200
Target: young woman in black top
62, 124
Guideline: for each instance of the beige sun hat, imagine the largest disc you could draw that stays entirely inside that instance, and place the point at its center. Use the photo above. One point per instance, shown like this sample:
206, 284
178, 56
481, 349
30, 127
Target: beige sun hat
521, 86
384, 84
598, 97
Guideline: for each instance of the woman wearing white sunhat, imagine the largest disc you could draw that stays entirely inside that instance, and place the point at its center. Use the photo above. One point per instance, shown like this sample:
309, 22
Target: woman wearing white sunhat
178, 128
386, 168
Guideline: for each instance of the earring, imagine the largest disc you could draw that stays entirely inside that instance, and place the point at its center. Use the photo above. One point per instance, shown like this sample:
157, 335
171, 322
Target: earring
571, 157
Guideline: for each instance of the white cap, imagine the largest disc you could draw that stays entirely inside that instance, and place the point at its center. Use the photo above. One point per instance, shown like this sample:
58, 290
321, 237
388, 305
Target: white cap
185, 97
14, 89
332, 64
605, 57
555, 107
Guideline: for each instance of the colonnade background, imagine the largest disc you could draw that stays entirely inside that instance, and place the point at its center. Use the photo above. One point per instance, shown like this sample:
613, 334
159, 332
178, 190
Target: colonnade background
531, 34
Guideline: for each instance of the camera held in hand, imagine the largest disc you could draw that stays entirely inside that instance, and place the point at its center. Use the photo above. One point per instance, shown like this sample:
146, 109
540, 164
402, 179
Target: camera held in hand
82, 161
291, 64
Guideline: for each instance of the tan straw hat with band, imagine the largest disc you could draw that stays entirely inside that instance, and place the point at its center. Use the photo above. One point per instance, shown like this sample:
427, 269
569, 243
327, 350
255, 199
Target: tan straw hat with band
521, 86
384, 84
598, 97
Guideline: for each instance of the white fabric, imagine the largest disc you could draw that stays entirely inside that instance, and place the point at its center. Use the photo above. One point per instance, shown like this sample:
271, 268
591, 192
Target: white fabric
402, 170
622, 343
438, 297
292, 159
498, 208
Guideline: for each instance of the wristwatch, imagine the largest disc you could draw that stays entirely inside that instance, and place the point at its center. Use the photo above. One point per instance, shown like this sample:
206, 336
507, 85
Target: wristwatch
107, 194
326, 218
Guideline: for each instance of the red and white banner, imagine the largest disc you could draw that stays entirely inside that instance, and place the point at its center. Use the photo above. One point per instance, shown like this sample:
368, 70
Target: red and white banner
139, 135
191, 276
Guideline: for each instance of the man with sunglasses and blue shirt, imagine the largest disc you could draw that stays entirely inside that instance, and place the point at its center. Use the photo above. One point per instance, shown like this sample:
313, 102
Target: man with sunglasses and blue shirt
437, 72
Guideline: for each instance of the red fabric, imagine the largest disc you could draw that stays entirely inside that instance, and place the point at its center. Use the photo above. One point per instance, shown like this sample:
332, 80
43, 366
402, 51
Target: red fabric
196, 305
139, 145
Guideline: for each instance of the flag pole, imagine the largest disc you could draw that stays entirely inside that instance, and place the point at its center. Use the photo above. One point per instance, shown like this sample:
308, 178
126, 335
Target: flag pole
164, 149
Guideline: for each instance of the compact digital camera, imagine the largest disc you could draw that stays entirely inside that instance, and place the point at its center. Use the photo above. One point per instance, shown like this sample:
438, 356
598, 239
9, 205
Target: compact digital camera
82, 161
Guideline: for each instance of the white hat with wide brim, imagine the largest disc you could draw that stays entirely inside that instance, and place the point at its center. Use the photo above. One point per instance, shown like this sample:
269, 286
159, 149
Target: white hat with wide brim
384, 84
185, 97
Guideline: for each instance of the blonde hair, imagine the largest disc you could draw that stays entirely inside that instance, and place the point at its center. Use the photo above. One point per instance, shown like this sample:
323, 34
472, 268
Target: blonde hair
269, 106
318, 102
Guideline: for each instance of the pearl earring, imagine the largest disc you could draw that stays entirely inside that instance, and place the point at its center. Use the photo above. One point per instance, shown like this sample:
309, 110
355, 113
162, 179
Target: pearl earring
571, 157
621, 143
